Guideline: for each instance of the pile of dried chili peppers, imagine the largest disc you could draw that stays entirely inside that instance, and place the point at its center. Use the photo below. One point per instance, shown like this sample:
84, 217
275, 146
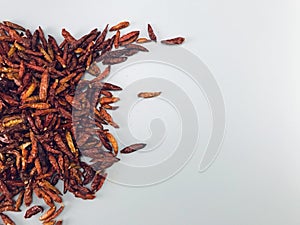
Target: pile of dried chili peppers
44, 129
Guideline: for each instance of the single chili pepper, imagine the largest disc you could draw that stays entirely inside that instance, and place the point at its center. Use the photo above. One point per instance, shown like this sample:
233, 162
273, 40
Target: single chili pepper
5, 190
28, 195
133, 148
108, 100
151, 33
33, 211
8, 99
117, 39
43, 92
45, 54
36, 106
8, 208
111, 87
27, 93
173, 41
129, 40
19, 200
128, 36
42, 37
102, 36
119, 26
148, 94
38, 166
53, 162
54, 45
12, 122
78, 194
50, 51
13, 25
6, 220
142, 40
68, 37
71, 144
113, 142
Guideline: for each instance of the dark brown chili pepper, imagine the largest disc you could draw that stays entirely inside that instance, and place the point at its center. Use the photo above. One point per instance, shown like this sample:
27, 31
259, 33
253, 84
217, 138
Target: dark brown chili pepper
132, 148
33, 211
13, 25
151, 33
119, 26
129, 38
173, 41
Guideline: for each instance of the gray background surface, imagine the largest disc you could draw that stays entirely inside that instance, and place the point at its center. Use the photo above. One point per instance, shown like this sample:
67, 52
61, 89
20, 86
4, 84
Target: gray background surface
252, 48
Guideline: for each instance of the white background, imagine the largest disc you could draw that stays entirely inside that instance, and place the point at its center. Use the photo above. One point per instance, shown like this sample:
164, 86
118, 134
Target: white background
252, 48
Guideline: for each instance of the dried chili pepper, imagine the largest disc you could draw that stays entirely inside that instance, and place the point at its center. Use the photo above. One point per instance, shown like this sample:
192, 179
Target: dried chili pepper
173, 41
113, 142
148, 94
133, 148
98, 182
36, 105
14, 25
142, 40
55, 214
48, 213
43, 93
33, 211
6, 220
119, 26
129, 38
117, 39
43, 121
151, 33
